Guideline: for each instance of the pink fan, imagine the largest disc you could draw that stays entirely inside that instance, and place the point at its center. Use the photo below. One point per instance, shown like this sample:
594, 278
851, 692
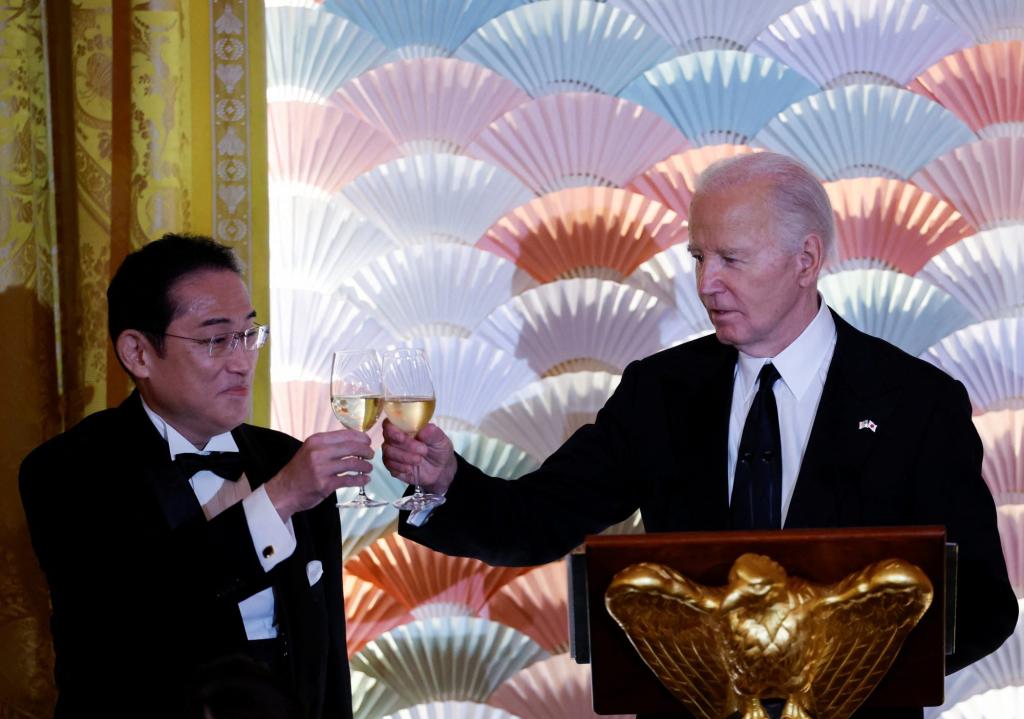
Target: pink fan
576, 140
321, 147
983, 85
672, 180
893, 222
1002, 433
300, 408
555, 688
584, 232
984, 180
427, 583
537, 605
430, 104
369, 612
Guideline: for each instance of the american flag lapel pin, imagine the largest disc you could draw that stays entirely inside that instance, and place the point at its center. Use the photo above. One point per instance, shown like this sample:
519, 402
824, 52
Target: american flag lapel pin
867, 424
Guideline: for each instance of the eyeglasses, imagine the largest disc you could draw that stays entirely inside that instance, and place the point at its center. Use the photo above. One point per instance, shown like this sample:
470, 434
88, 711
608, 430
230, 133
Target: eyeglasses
224, 344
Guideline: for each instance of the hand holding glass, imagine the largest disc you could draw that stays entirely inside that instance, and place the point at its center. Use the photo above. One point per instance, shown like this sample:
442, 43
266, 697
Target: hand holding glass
356, 395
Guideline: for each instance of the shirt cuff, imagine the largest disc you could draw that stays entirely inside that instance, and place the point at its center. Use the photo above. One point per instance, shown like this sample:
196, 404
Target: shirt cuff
419, 517
273, 539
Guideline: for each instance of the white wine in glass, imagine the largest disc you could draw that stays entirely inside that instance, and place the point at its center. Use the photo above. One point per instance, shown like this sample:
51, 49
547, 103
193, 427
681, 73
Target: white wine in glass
409, 404
356, 396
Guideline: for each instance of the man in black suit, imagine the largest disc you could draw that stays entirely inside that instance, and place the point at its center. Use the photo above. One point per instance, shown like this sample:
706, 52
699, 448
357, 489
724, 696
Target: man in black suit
866, 434
173, 535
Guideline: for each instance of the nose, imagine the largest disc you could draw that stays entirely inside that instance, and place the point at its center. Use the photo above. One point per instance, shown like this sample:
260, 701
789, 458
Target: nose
240, 360
708, 281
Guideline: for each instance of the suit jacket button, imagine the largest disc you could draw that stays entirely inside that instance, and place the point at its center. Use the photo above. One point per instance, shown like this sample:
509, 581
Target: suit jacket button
268, 551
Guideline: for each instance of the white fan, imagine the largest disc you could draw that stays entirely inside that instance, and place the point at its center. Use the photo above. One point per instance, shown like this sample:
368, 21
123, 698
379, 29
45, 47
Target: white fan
1002, 434
986, 20
315, 243
436, 198
451, 658
582, 324
566, 46
543, 415
310, 53
984, 272
1006, 702
442, 290
910, 313
306, 326
1011, 534
537, 604
371, 698
493, 456
865, 131
887, 42
670, 276
451, 710
362, 527
706, 24
988, 357
555, 688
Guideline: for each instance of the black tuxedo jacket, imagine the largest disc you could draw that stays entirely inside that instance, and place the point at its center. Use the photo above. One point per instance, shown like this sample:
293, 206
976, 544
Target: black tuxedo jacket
145, 590
660, 444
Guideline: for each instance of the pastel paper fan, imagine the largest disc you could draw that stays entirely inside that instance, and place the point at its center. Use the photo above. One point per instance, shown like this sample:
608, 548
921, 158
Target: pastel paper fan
451, 710
315, 243
555, 688
372, 698
543, 415
988, 357
449, 658
317, 149
706, 24
430, 105
584, 232
1002, 434
835, 43
307, 326
719, 96
582, 324
865, 131
670, 277
983, 180
537, 604
425, 28
436, 198
369, 612
428, 583
493, 456
577, 140
301, 408
310, 53
986, 20
1006, 702
471, 377
360, 528
631, 525
908, 312
892, 221
984, 272
412, 292
983, 86
566, 46
671, 181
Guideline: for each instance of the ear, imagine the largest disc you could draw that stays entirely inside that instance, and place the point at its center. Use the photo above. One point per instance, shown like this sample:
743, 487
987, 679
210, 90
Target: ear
810, 260
136, 352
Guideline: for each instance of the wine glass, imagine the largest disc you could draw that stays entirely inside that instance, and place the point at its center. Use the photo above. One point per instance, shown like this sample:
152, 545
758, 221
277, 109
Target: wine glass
409, 404
356, 396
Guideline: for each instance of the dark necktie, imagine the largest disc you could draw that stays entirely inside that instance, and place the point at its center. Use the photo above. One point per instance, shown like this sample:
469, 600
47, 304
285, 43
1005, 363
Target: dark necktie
757, 486
224, 464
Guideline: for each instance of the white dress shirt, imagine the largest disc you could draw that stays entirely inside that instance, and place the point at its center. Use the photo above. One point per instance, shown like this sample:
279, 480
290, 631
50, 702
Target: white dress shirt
803, 366
215, 494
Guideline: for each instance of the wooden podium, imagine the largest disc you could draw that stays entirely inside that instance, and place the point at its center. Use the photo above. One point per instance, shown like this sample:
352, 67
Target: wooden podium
623, 684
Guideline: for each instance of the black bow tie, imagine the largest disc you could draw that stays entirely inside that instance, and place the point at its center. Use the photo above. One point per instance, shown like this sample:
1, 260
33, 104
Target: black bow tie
224, 464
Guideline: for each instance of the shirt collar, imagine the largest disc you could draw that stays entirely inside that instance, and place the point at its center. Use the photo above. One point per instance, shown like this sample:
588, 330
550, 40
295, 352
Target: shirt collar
799, 362
177, 444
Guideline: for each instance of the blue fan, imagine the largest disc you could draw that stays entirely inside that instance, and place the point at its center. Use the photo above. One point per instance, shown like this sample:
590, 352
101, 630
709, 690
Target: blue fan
421, 28
567, 46
865, 131
719, 96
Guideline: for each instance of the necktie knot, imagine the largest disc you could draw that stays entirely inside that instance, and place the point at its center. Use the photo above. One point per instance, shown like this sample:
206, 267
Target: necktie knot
767, 377
224, 464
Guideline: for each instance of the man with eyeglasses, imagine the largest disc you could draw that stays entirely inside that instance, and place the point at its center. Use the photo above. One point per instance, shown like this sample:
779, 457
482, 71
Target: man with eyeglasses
171, 533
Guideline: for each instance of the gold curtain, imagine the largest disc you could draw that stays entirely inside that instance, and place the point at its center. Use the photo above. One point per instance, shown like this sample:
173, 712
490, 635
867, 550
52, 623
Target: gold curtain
119, 120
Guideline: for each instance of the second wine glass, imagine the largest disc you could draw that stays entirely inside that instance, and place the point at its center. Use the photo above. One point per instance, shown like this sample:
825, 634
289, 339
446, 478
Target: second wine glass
356, 396
409, 404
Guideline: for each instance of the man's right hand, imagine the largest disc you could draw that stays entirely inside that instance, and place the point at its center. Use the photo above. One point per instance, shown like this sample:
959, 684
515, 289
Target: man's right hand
428, 459
319, 468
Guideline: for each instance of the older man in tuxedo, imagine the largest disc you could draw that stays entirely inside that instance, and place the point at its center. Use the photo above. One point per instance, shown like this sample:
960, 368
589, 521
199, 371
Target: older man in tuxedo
786, 417
171, 533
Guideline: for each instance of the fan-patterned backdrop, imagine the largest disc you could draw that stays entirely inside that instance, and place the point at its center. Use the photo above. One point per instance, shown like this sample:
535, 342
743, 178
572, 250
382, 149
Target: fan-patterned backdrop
506, 185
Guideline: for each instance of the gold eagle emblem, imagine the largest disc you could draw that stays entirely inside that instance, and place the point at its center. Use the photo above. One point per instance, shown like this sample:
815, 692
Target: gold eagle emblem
820, 648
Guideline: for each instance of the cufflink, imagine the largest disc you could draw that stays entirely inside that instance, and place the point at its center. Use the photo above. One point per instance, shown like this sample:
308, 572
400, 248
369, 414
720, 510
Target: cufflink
268, 551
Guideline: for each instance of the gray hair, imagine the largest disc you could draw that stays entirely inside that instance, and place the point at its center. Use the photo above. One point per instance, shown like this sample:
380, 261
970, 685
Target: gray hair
799, 201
